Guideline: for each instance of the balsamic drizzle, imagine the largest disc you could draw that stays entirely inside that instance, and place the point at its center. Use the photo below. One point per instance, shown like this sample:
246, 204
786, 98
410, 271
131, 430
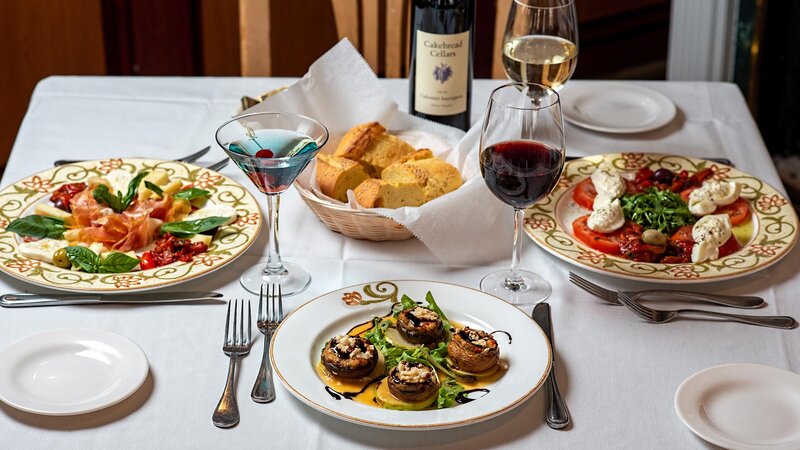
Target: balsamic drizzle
350, 395
504, 332
372, 321
462, 397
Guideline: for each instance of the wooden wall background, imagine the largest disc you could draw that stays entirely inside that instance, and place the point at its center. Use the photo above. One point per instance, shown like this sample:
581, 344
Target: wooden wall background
618, 39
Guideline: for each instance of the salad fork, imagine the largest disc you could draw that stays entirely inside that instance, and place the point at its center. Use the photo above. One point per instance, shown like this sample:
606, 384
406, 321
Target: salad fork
217, 166
269, 318
610, 296
663, 316
236, 344
188, 158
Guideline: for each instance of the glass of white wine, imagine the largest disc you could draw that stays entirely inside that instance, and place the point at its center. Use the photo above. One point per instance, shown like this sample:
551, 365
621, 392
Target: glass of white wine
540, 44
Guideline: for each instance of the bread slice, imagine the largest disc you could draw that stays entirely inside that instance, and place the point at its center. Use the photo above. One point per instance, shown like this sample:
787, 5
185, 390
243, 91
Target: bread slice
370, 145
336, 175
433, 175
375, 193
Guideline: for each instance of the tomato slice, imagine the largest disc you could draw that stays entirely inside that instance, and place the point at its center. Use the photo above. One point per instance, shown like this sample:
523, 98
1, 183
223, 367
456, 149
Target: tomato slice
686, 193
147, 261
606, 243
684, 234
730, 246
584, 194
739, 211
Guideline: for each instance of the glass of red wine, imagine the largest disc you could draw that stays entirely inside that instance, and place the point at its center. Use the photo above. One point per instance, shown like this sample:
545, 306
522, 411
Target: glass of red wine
521, 154
272, 149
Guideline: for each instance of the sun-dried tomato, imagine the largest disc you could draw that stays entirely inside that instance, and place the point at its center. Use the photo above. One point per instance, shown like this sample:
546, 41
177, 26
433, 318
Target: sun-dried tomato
64, 194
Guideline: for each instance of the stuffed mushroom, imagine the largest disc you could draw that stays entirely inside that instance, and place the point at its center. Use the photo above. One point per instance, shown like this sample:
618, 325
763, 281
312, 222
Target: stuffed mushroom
349, 357
413, 382
420, 325
473, 350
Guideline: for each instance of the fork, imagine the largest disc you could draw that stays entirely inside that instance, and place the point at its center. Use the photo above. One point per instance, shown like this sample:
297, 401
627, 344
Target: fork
269, 318
217, 166
610, 296
188, 158
663, 316
236, 344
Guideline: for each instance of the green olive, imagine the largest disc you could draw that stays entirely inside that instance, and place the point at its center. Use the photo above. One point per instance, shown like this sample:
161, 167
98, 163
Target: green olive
61, 259
654, 237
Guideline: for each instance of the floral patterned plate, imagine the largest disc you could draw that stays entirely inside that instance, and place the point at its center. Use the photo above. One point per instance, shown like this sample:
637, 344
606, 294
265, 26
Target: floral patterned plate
295, 351
773, 234
19, 199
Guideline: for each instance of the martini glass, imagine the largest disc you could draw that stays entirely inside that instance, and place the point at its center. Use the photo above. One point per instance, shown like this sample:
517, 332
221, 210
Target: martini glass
272, 149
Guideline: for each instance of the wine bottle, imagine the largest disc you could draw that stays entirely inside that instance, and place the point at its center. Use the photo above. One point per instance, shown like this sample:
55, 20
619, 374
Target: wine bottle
440, 73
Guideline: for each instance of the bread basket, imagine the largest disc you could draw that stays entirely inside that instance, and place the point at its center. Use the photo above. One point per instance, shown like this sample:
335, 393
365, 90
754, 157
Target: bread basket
351, 222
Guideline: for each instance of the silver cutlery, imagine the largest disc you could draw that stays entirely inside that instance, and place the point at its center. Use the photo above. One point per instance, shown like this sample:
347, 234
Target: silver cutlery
610, 296
663, 316
269, 317
188, 158
236, 344
21, 300
725, 161
557, 413
217, 166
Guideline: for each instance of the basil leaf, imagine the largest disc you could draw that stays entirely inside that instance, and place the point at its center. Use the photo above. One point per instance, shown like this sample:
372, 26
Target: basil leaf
117, 262
84, 258
190, 227
102, 195
191, 193
38, 226
154, 188
118, 202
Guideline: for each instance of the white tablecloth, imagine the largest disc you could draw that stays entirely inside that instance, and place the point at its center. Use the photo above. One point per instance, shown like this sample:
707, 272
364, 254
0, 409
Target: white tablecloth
618, 374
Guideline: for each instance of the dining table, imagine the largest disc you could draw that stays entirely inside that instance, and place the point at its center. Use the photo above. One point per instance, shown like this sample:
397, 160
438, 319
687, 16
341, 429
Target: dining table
617, 373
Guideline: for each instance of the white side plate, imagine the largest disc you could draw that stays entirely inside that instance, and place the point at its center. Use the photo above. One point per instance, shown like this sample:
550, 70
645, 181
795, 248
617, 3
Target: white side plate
742, 406
68, 372
616, 107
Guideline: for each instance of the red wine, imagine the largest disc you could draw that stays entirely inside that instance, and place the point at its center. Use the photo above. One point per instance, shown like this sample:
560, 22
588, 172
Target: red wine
520, 173
440, 73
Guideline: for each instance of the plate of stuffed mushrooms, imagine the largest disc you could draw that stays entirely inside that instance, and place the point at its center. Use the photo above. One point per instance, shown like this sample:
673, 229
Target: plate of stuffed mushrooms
410, 355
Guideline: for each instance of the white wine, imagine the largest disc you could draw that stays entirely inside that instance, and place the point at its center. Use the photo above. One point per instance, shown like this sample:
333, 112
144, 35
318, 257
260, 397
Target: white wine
547, 60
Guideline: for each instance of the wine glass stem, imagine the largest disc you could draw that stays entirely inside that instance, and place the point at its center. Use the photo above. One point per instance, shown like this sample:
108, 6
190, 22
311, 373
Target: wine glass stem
514, 281
274, 262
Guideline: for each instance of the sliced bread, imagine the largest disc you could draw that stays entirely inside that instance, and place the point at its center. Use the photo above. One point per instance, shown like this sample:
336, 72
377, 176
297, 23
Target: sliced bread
370, 145
433, 175
336, 175
375, 193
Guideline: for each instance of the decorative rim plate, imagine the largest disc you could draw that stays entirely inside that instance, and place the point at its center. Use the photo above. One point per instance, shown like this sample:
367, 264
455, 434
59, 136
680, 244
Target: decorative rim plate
616, 107
549, 224
68, 372
298, 341
19, 198
742, 406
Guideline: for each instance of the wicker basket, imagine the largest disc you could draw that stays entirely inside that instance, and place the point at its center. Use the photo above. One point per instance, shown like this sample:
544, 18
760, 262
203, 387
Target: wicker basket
354, 223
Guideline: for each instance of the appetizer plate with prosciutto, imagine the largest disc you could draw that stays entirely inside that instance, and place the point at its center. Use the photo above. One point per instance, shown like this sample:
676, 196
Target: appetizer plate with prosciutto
123, 225
664, 218
410, 355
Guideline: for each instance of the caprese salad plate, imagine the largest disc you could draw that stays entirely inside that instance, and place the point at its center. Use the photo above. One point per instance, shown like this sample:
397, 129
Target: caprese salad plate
410, 355
663, 218
122, 225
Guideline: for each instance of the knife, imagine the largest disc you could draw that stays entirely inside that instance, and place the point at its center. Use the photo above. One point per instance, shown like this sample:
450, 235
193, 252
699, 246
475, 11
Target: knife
20, 300
556, 414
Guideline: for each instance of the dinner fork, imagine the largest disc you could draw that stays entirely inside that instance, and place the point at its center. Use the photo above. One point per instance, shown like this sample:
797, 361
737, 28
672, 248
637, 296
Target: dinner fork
663, 316
610, 296
217, 166
188, 158
236, 344
269, 318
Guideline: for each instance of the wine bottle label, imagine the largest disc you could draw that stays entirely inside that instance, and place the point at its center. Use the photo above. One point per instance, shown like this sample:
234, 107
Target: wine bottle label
442, 73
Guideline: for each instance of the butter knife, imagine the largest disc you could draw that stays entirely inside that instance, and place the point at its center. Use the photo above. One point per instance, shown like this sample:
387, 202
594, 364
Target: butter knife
556, 413
21, 300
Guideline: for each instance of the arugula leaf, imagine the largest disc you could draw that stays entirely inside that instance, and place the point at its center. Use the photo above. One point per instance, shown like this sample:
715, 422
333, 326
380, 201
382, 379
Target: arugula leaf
407, 302
435, 308
377, 335
664, 211
190, 227
448, 392
117, 262
118, 202
91, 262
38, 226
191, 193
154, 188
84, 258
